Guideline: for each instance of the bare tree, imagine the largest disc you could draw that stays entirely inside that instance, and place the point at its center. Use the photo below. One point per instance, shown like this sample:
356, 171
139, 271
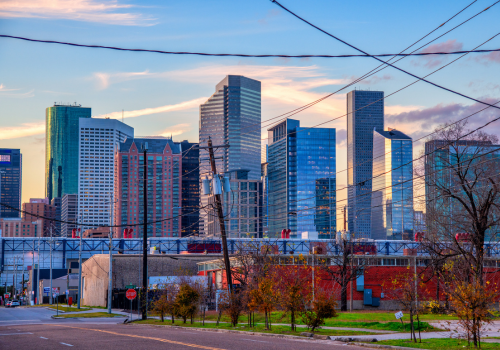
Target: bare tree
343, 266
462, 181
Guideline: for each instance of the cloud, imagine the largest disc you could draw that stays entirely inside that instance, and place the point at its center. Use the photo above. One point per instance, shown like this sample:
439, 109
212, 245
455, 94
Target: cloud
104, 80
4, 92
162, 109
492, 57
270, 14
372, 80
175, 130
433, 61
420, 122
108, 12
3, 88
26, 129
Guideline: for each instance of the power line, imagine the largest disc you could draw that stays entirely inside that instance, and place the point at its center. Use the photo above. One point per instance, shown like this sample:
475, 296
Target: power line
389, 64
236, 54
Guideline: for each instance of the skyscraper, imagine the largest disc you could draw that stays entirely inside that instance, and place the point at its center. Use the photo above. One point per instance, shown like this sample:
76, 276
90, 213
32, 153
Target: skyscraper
61, 151
10, 182
231, 116
164, 187
98, 140
190, 189
365, 113
392, 190
301, 180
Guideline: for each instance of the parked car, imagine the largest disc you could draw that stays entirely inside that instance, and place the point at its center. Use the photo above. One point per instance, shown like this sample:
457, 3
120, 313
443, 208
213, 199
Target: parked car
14, 303
7, 303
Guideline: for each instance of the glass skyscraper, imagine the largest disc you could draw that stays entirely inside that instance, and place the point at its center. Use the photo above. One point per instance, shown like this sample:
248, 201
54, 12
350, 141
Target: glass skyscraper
10, 182
365, 113
190, 189
392, 196
61, 151
231, 116
301, 180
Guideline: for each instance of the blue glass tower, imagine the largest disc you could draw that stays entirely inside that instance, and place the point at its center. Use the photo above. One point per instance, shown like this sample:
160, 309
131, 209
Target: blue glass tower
365, 113
10, 181
301, 180
62, 137
392, 196
232, 116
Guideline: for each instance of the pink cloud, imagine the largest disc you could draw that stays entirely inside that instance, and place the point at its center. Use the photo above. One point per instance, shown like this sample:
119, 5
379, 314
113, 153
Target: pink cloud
433, 61
420, 122
492, 57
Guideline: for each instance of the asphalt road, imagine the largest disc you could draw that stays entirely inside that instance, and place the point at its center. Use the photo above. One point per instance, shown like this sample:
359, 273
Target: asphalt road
32, 330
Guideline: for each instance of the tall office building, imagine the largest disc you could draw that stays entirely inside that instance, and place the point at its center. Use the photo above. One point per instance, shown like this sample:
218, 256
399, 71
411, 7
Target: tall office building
164, 196
61, 148
479, 163
56, 203
11, 176
301, 180
190, 189
98, 141
69, 214
231, 116
392, 189
242, 206
365, 113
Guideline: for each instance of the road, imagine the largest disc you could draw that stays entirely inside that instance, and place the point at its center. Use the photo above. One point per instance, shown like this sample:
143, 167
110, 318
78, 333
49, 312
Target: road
32, 328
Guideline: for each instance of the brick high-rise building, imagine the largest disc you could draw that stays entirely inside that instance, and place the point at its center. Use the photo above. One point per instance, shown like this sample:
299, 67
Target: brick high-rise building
164, 165
39, 208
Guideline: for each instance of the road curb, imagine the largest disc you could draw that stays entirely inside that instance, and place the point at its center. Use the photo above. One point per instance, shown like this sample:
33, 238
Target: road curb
379, 346
231, 331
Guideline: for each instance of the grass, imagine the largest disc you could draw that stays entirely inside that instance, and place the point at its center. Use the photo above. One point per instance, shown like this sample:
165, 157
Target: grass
90, 315
342, 321
438, 344
69, 309
258, 328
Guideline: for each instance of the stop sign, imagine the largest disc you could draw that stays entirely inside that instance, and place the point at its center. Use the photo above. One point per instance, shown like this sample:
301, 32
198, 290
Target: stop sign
131, 294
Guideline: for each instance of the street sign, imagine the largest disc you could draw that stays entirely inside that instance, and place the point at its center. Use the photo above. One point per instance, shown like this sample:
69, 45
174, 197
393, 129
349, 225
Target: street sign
46, 290
130, 286
131, 294
399, 314
55, 290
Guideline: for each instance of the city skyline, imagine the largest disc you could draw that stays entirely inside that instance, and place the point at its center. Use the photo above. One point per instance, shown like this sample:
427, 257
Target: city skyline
161, 95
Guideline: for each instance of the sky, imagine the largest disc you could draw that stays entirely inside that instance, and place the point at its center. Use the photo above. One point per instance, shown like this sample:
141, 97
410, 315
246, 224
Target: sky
161, 94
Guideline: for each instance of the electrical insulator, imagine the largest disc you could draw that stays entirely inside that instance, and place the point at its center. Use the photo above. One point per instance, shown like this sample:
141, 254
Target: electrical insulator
205, 186
216, 185
226, 185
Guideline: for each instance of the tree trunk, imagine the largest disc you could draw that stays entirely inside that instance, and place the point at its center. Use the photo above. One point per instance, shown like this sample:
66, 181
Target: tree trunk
412, 328
418, 323
343, 297
267, 322
173, 319
218, 317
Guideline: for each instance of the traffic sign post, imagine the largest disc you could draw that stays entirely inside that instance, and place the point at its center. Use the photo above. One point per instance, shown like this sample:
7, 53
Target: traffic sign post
399, 316
131, 294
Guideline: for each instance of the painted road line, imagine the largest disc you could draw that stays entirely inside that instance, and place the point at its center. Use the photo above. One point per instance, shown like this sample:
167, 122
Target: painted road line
142, 337
13, 333
65, 344
44, 338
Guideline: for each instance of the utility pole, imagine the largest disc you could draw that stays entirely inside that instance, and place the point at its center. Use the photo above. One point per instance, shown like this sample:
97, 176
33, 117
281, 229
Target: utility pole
38, 274
50, 293
220, 214
110, 273
145, 235
79, 269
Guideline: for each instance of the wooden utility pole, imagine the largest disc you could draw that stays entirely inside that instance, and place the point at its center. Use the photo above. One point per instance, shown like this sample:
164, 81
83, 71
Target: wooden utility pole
220, 214
145, 236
